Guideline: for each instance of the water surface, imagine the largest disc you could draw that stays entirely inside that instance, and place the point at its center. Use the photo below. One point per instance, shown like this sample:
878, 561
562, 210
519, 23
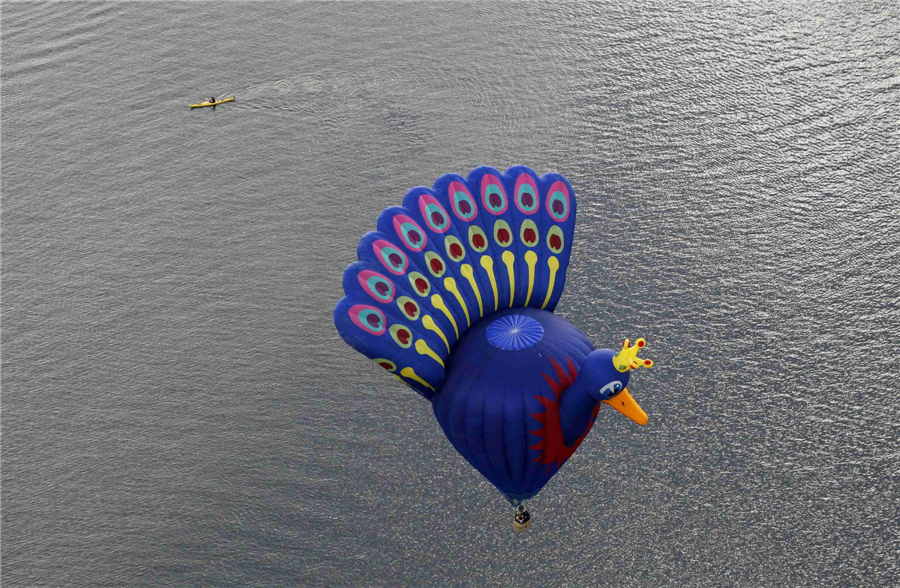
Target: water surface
179, 410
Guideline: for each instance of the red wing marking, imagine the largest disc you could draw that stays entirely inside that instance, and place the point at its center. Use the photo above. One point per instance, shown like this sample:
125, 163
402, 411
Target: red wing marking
553, 448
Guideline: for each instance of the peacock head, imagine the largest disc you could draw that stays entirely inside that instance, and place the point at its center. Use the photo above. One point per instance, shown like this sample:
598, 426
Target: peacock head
607, 374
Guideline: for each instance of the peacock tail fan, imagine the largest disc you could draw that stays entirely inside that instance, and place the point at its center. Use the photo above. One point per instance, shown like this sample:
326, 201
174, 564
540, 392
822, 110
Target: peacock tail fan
449, 256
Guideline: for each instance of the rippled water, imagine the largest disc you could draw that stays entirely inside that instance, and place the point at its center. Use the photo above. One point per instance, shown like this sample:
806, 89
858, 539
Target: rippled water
179, 410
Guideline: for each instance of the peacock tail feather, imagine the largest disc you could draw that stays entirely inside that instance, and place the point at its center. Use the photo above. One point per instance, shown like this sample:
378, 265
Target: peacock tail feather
452, 254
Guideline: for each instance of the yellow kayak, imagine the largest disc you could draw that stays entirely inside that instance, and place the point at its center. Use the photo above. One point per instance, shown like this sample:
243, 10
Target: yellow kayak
203, 104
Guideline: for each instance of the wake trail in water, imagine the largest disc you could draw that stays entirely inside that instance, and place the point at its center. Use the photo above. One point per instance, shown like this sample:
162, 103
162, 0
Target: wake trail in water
326, 92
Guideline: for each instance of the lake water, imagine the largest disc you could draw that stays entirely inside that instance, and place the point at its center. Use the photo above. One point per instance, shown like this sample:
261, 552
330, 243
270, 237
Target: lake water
178, 409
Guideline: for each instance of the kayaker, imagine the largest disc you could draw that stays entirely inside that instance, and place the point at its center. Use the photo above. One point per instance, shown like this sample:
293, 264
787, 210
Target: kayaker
213, 99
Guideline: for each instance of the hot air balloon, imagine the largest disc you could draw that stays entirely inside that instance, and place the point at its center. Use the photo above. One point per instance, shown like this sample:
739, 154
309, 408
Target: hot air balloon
454, 296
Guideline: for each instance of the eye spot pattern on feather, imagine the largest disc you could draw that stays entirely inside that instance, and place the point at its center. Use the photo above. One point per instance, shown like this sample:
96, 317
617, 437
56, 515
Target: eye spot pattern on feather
434, 214
393, 259
368, 318
502, 233
555, 239
492, 194
463, 205
558, 202
386, 364
529, 233
527, 200
477, 239
409, 308
411, 233
436, 265
401, 335
379, 287
420, 284
455, 248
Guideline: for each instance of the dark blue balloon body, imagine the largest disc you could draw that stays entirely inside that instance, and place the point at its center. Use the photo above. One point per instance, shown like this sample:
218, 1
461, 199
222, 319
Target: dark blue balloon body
486, 404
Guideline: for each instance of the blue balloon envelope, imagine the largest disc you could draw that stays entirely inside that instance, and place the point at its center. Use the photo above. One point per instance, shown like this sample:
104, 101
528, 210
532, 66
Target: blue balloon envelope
454, 295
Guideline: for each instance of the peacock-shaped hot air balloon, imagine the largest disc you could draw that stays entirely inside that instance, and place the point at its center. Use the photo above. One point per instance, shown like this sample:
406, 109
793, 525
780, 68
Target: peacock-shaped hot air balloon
454, 295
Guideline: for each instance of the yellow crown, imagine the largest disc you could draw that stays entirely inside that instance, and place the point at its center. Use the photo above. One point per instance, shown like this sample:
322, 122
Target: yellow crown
627, 359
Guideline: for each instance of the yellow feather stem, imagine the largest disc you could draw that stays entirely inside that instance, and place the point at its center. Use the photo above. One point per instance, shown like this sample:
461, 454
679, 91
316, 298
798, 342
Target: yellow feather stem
467, 272
410, 373
531, 260
450, 284
488, 264
423, 349
429, 324
438, 303
509, 259
553, 264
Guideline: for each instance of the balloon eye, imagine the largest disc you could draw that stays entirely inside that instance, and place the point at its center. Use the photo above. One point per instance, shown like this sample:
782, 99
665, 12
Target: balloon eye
611, 389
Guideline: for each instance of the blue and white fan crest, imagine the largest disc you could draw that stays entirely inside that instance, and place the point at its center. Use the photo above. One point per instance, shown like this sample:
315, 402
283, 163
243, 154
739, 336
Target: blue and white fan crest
514, 332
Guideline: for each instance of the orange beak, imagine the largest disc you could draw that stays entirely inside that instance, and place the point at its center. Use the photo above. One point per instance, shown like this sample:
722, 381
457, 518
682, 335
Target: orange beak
624, 403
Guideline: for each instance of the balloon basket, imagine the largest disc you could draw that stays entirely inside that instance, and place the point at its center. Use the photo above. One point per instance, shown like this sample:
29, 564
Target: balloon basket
521, 519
